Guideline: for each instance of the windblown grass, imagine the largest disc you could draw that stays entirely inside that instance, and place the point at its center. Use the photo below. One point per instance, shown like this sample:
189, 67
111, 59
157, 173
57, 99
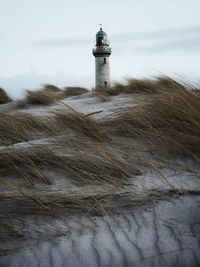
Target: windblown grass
43, 97
16, 127
131, 87
19, 126
49, 94
80, 123
86, 156
158, 85
28, 201
73, 91
104, 93
147, 86
95, 163
4, 98
91, 202
24, 163
51, 88
172, 118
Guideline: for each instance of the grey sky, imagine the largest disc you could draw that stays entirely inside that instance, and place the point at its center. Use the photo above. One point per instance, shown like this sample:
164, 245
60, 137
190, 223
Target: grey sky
51, 40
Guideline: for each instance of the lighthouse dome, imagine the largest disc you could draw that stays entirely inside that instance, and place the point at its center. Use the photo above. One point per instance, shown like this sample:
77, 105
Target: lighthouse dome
101, 38
101, 33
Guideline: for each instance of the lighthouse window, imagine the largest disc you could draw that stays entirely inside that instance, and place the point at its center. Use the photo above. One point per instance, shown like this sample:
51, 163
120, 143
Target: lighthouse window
104, 60
99, 40
105, 83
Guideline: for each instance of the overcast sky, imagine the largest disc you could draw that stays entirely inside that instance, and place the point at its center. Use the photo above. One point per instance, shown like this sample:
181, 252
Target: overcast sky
51, 41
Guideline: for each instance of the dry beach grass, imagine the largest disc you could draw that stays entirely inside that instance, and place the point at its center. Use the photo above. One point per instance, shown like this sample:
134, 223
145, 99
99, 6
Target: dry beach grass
79, 122
43, 97
18, 127
171, 118
48, 95
4, 98
156, 86
94, 163
74, 91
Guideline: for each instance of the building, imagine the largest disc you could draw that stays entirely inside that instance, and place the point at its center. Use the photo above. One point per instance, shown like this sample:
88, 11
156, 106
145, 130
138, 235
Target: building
102, 52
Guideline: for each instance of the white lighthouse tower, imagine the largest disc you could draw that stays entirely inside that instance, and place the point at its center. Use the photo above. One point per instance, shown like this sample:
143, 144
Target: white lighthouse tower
102, 52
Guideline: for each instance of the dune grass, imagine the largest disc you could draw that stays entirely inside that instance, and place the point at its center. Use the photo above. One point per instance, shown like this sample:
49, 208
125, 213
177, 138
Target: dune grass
85, 156
44, 96
74, 91
95, 203
80, 123
104, 93
85, 162
147, 86
16, 127
49, 94
51, 88
4, 97
24, 163
172, 118
157, 85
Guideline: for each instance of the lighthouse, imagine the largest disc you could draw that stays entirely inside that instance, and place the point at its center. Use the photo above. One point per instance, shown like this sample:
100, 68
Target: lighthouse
102, 52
